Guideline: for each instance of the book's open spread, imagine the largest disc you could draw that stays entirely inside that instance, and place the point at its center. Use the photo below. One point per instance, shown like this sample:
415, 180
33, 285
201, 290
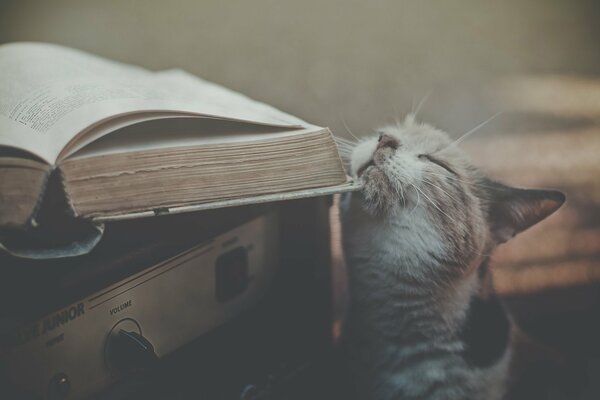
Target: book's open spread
51, 97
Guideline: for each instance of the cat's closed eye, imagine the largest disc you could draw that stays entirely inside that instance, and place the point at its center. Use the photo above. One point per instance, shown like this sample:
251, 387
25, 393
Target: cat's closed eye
438, 162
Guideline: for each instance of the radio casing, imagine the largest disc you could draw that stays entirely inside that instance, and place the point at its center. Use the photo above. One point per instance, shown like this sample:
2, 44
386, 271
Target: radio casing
170, 304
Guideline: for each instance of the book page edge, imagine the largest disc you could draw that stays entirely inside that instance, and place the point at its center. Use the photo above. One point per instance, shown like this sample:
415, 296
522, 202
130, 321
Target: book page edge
349, 186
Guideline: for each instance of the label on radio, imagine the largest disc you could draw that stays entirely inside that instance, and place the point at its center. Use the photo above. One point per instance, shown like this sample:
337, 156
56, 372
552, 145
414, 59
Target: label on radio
121, 307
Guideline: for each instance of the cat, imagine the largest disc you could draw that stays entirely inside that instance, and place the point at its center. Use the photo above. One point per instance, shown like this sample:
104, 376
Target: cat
422, 320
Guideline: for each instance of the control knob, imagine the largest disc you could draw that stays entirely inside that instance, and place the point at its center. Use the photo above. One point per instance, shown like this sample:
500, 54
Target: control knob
128, 351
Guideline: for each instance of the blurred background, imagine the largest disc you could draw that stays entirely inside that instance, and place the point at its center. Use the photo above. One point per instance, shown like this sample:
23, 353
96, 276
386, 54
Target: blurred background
364, 62
354, 65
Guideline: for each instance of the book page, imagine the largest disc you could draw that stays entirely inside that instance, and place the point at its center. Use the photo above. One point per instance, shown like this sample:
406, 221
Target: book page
49, 93
113, 125
182, 132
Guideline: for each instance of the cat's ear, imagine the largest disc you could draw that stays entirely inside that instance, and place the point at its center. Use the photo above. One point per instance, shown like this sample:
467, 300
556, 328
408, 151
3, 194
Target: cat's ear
512, 210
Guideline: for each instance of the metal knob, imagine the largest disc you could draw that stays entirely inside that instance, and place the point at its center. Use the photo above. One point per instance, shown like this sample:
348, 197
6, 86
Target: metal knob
130, 351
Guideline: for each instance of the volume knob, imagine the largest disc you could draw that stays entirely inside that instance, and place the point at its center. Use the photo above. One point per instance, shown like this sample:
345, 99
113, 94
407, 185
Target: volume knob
129, 351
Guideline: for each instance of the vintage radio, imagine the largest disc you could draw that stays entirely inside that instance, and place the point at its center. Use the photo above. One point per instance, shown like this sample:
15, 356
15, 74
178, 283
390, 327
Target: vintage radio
231, 303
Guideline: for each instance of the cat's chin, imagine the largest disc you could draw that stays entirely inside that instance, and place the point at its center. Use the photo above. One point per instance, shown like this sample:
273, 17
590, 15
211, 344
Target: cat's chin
379, 194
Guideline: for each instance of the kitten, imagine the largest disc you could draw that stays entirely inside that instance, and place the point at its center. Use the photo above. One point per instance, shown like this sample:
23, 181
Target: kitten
422, 321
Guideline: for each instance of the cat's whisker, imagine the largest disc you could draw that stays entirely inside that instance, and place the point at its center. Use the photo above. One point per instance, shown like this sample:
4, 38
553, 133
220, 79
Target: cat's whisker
402, 195
483, 185
345, 149
345, 139
397, 115
435, 205
398, 123
338, 140
346, 161
445, 176
346, 157
348, 144
469, 246
471, 132
417, 191
400, 192
349, 131
345, 146
345, 152
418, 200
421, 103
440, 189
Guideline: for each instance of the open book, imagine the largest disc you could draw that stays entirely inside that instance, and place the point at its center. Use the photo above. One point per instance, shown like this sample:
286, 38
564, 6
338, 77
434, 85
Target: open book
127, 141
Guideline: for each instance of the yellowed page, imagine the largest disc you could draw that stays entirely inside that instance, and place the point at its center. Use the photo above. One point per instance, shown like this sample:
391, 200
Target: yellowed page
49, 93
182, 132
113, 125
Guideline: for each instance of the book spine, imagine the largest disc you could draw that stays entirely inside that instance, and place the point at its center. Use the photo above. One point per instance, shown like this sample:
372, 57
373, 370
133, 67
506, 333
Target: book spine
32, 220
63, 189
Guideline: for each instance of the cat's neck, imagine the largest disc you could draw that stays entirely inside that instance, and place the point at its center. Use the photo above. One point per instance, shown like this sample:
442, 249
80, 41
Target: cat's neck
398, 306
397, 285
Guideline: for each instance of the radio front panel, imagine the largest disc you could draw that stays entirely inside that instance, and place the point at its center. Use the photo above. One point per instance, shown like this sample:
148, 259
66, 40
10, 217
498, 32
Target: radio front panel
75, 351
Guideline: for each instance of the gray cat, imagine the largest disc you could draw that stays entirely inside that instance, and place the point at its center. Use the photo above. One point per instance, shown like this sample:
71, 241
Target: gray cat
422, 321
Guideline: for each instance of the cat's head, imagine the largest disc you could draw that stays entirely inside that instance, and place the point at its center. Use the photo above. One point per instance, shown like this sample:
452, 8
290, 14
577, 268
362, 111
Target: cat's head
414, 173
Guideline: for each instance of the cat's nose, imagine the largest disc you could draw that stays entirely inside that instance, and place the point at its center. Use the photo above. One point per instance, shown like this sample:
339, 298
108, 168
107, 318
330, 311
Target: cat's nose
387, 141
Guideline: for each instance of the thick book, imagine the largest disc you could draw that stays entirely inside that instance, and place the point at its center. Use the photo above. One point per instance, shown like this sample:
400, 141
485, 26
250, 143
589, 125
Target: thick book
125, 141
